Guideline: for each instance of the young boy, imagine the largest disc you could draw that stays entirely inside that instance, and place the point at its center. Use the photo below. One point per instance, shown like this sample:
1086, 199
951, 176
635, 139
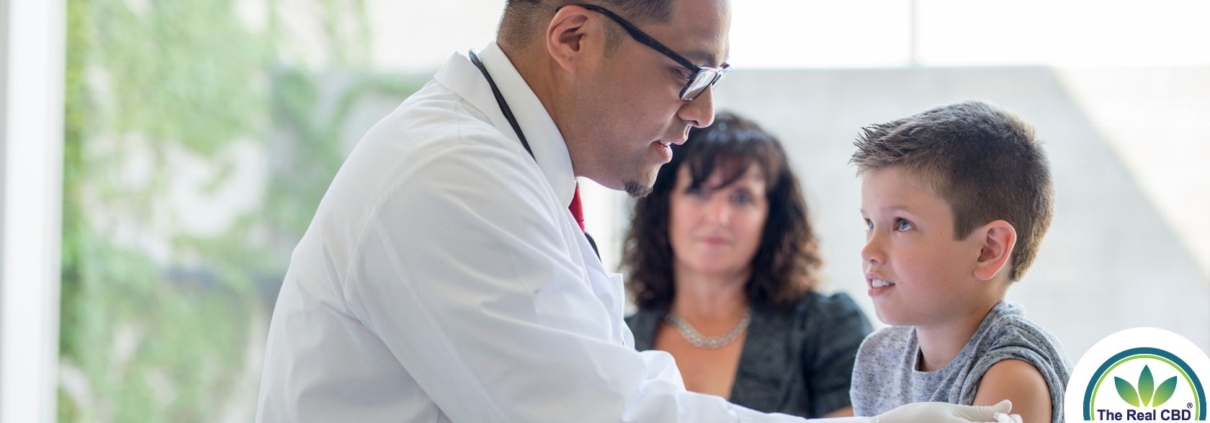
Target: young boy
955, 201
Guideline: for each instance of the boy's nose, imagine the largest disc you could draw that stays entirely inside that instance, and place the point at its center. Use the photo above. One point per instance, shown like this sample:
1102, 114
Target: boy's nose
872, 252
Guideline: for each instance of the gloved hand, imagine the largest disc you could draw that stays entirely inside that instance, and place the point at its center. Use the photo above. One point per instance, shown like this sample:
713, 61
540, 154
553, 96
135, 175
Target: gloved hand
940, 412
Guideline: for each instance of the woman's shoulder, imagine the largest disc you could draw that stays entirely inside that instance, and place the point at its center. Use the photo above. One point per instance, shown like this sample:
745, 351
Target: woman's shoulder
640, 315
819, 313
642, 325
816, 305
644, 316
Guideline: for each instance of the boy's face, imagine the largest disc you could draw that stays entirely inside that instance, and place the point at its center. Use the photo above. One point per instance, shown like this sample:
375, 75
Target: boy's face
917, 273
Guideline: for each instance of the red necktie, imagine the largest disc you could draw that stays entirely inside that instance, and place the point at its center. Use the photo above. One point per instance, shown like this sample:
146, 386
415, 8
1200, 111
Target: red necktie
577, 210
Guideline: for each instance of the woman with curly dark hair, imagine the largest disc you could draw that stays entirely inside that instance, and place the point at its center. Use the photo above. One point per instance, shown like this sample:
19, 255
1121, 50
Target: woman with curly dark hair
722, 262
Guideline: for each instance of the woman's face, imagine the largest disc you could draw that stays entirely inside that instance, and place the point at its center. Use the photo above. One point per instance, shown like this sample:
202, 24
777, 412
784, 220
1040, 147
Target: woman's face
717, 229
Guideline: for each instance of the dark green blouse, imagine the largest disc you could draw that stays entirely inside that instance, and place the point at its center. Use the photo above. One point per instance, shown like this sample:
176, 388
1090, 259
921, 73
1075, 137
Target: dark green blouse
798, 361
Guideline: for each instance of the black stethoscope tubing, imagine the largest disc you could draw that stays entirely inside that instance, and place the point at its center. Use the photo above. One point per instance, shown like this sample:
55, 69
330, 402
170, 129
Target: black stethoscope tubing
512, 121
508, 113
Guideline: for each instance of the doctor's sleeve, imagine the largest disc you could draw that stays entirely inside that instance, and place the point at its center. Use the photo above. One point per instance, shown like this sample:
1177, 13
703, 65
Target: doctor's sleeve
464, 276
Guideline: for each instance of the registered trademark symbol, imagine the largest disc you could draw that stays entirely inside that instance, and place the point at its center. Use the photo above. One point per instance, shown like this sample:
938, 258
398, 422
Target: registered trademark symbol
1189, 405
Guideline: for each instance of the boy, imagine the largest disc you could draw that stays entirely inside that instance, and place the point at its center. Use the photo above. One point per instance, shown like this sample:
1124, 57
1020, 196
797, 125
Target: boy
955, 200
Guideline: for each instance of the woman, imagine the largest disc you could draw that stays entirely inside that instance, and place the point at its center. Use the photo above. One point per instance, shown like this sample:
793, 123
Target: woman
722, 263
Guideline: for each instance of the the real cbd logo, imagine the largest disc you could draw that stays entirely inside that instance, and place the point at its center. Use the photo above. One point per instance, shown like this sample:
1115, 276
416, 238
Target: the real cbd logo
1144, 396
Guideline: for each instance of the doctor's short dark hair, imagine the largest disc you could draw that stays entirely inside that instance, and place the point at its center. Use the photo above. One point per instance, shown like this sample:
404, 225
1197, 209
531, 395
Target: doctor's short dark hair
524, 20
786, 265
982, 160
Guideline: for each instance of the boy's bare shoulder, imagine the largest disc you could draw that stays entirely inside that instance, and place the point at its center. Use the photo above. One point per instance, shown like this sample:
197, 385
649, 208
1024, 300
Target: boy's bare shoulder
1021, 383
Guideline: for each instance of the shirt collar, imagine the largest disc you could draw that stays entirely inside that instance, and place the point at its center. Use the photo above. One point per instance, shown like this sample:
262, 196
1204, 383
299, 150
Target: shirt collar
547, 143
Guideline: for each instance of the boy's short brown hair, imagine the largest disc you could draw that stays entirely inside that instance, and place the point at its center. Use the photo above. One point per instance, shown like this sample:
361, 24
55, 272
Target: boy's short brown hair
982, 160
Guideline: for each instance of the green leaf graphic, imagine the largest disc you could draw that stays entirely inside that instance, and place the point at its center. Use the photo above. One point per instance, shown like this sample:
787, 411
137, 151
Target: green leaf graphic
1146, 387
1164, 391
1126, 391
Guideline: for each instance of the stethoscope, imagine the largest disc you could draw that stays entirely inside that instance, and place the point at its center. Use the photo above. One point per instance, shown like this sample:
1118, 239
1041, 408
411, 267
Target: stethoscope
512, 121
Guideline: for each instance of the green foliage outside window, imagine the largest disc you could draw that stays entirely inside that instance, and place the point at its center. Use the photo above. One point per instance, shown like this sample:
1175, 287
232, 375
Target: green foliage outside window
176, 336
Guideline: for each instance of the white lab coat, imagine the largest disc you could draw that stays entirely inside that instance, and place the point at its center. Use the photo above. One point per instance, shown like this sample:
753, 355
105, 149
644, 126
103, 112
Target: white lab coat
444, 280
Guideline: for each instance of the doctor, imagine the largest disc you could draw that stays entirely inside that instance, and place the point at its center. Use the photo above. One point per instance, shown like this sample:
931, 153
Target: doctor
444, 279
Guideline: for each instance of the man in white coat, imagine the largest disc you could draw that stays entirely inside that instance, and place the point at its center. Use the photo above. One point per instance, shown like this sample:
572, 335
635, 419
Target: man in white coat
443, 278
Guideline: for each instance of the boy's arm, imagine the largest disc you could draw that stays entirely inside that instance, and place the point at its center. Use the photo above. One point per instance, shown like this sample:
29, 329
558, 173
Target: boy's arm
1020, 382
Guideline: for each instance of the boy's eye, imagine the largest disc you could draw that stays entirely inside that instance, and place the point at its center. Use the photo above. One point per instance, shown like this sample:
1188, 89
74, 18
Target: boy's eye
869, 225
903, 225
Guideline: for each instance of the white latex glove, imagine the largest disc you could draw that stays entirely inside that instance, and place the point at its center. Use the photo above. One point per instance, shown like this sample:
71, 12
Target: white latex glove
940, 412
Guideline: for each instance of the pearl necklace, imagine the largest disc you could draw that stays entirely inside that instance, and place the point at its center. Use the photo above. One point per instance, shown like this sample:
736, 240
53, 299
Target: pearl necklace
710, 343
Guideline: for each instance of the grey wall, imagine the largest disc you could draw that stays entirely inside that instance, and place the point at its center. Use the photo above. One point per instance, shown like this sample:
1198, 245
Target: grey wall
1109, 262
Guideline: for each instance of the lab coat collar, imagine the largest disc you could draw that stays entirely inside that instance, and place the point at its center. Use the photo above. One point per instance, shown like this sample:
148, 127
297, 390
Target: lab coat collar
549, 147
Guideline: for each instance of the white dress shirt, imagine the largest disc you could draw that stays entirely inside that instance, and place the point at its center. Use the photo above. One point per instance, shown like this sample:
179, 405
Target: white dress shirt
444, 280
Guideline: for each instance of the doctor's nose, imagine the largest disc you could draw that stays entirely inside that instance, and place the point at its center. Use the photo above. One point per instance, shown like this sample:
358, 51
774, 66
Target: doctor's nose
699, 113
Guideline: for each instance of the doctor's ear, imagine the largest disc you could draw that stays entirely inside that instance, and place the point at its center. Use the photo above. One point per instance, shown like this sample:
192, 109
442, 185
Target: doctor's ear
998, 239
573, 31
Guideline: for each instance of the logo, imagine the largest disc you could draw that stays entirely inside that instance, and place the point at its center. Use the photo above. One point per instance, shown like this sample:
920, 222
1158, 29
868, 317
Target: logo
1141, 395
1141, 374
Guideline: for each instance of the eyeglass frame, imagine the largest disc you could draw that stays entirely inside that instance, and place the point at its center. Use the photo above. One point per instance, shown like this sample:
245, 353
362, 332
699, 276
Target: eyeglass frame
649, 41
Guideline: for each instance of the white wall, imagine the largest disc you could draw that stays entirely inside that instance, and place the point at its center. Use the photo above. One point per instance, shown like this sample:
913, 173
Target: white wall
32, 141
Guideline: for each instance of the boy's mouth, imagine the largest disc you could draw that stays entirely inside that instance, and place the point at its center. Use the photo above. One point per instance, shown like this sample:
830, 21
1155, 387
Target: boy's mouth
878, 285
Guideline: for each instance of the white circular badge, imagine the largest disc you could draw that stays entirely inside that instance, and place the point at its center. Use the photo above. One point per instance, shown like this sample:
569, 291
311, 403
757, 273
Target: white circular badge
1140, 374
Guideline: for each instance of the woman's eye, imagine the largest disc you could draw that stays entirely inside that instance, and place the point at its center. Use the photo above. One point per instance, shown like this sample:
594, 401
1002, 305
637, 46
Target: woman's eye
695, 191
903, 225
742, 198
869, 225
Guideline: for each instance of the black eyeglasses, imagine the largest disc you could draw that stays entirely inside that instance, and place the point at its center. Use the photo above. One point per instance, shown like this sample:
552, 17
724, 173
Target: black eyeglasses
701, 77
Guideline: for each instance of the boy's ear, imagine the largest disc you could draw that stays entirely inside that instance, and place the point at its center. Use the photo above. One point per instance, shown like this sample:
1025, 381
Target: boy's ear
999, 237
570, 33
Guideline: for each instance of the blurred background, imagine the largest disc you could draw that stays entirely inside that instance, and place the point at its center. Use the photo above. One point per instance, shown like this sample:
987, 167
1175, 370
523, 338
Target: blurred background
162, 157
